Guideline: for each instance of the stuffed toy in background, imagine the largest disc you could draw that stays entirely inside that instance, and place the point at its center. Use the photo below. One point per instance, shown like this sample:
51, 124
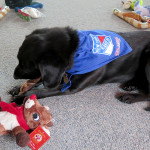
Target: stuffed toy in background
133, 19
18, 120
139, 18
4, 11
141, 10
17, 3
129, 4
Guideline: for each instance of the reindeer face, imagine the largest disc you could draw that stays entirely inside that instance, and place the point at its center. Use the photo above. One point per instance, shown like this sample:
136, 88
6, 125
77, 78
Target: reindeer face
35, 114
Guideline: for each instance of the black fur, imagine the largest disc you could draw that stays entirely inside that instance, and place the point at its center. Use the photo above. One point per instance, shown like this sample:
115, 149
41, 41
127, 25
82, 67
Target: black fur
49, 53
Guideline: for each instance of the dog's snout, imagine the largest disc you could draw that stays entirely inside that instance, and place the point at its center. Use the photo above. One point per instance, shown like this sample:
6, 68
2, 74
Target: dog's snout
15, 77
16, 72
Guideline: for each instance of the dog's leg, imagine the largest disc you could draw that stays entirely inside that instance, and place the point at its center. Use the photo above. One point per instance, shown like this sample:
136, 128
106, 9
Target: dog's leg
147, 71
78, 83
45, 92
15, 90
128, 86
130, 98
40, 93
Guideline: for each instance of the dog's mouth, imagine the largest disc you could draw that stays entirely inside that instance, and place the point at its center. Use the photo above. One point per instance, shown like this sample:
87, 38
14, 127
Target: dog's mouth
28, 85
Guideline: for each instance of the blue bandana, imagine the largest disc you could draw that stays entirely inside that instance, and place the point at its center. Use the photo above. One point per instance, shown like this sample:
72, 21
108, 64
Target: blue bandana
96, 49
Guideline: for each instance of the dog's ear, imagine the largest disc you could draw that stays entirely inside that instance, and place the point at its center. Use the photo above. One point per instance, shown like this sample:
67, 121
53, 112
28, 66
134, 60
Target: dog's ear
51, 74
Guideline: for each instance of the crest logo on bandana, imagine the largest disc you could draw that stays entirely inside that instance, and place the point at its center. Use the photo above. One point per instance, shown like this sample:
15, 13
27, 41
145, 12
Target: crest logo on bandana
102, 44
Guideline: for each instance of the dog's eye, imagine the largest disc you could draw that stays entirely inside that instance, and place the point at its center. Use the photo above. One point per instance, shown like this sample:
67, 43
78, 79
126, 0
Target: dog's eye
36, 117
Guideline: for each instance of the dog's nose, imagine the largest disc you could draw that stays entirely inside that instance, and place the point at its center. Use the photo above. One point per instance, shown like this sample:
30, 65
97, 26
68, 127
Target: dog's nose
16, 72
15, 77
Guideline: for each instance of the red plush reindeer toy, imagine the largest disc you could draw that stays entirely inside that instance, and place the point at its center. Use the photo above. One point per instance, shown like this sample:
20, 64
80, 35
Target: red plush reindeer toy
19, 119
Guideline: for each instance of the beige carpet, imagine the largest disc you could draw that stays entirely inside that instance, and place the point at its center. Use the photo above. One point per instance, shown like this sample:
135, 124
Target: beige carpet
89, 120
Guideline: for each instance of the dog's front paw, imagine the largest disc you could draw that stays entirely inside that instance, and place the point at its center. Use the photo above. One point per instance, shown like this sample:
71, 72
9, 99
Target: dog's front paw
14, 91
128, 87
147, 108
18, 99
125, 97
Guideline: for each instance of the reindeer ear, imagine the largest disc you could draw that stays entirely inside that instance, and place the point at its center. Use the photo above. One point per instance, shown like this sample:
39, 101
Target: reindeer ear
29, 103
25, 99
46, 107
50, 124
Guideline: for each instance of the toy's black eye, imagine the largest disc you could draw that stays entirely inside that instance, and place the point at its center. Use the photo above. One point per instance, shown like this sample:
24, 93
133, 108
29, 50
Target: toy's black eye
36, 117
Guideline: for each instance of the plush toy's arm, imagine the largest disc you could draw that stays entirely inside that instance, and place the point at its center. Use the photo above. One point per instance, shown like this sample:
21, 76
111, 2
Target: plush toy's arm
22, 137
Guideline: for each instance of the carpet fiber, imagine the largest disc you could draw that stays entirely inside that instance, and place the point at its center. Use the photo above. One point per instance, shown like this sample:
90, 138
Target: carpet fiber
91, 119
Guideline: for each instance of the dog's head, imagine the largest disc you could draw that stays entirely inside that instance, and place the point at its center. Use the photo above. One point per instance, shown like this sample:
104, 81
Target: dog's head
47, 53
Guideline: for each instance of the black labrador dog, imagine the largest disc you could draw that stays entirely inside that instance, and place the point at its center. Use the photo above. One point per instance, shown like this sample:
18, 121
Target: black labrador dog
49, 53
